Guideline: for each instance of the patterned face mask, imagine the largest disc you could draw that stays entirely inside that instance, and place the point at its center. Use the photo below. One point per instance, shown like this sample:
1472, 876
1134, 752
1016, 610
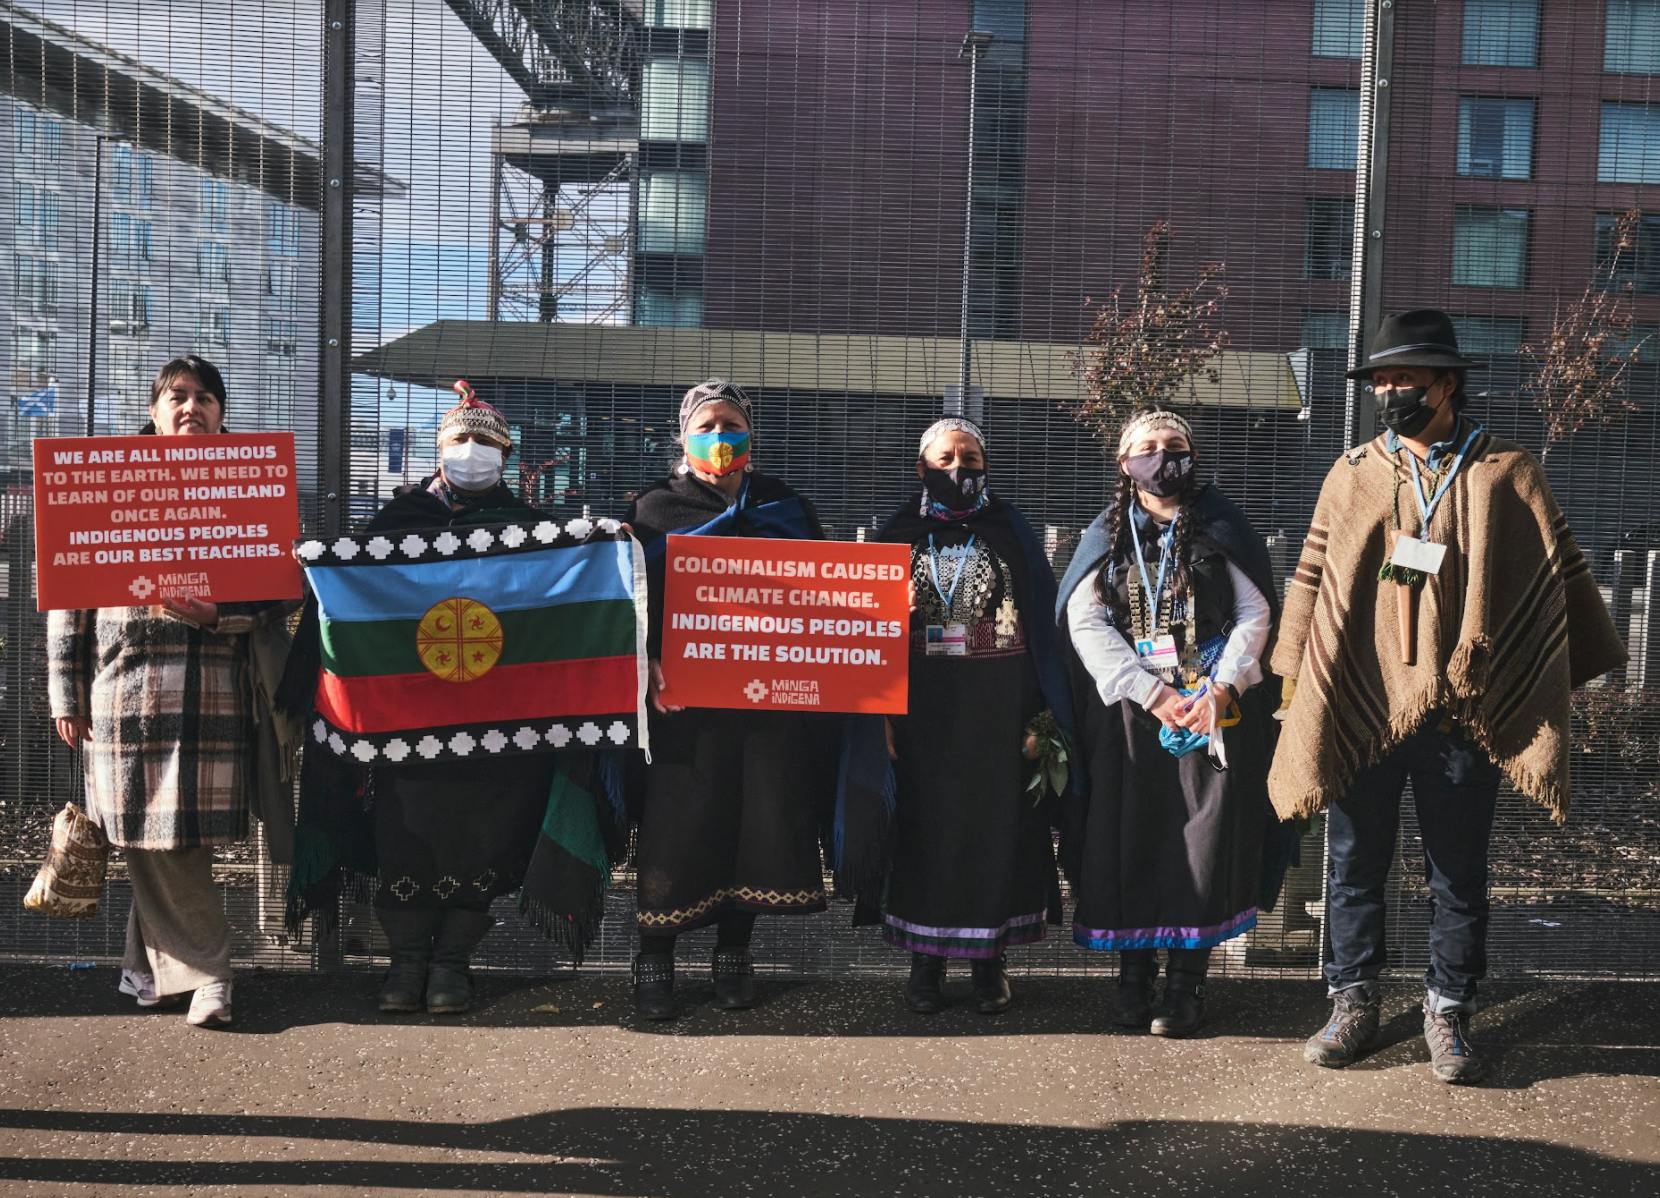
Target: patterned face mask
717, 453
955, 490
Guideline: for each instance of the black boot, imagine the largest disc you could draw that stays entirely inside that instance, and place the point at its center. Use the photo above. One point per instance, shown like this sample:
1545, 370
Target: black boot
991, 985
922, 992
1183, 1010
734, 971
654, 986
409, 940
1137, 968
450, 980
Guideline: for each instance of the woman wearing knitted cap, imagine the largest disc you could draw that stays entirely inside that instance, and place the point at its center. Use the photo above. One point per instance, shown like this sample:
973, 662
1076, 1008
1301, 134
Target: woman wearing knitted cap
441, 839
1168, 602
729, 822
972, 869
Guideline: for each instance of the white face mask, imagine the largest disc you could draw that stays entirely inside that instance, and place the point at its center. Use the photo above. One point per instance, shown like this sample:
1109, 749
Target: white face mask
472, 465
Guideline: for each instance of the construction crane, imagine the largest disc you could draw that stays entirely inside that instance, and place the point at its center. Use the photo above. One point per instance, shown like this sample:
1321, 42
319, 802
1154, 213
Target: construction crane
563, 171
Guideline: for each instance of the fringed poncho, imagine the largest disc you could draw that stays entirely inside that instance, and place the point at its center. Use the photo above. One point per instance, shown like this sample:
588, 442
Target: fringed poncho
1511, 624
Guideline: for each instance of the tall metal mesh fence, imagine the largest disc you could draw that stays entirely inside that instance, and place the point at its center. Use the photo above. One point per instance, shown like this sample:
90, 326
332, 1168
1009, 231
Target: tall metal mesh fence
584, 206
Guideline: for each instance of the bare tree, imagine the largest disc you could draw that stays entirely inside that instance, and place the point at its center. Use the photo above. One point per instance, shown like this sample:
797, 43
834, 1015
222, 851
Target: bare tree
1580, 367
1144, 348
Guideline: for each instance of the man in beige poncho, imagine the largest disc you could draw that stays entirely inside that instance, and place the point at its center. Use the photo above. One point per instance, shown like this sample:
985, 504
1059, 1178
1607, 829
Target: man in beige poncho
1437, 622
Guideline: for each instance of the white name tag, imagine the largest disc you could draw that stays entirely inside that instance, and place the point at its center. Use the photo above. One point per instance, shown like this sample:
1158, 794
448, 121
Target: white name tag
1413, 554
946, 640
1158, 652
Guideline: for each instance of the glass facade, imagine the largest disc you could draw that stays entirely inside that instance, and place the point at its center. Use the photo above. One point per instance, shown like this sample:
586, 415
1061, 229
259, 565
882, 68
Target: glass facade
1489, 246
1501, 33
1495, 137
1333, 127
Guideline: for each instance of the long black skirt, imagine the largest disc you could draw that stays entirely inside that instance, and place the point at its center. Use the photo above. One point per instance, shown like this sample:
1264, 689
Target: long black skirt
457, 834
974, 867
733, 805
1172, 847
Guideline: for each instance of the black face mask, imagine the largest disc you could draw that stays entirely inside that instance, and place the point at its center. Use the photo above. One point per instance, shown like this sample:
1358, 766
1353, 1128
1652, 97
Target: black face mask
1163, 473
957, 489
1404, 411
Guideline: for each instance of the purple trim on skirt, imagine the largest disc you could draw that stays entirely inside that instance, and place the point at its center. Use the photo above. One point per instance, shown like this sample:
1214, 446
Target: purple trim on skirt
976, 943
1118, 939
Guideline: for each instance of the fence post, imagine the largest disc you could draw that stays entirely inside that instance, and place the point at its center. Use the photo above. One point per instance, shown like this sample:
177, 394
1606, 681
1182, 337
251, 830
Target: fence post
334, 354
1619, 607
1371, 191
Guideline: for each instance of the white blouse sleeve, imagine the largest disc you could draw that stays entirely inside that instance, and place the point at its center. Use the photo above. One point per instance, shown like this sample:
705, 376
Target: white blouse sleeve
1109, 658
1240, 666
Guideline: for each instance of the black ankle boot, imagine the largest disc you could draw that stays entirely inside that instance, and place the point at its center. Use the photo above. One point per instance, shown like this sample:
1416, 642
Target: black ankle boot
409, 940
449, 974
1183, 1010
991, 985
734, 971
654, 987
922, 992
1137, 967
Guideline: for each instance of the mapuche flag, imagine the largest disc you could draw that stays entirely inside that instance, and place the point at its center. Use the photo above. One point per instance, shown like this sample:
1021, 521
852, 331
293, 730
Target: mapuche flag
478, 642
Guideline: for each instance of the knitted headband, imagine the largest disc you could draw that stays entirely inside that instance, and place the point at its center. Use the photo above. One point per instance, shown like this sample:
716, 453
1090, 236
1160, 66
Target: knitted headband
473, 415
714, 390
951, 424
1151, 421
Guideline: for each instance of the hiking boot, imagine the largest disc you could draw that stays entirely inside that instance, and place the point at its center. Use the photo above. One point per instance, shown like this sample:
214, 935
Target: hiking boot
210, 1006
409, 943
449, 973
991, 985
922, 991
734, 972
1182, 1012
1348, 1032
1137, 967
1452, 1058
654, 988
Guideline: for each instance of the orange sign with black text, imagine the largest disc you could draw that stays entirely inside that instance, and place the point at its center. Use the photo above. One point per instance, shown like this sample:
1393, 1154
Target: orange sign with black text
763, 625
130, 521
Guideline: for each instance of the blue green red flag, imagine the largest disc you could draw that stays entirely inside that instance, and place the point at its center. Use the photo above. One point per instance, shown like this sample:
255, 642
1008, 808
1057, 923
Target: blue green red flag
480, 641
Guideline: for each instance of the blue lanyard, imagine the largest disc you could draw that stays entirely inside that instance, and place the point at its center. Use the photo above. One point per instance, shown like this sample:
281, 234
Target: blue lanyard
1426, 507
956, 579
1153, 592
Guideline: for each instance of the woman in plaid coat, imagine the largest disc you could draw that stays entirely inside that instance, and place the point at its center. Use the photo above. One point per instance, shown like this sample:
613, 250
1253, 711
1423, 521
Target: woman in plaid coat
160, 699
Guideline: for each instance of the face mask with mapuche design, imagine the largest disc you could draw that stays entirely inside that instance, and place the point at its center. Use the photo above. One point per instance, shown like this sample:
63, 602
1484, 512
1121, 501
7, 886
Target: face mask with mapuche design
717, 453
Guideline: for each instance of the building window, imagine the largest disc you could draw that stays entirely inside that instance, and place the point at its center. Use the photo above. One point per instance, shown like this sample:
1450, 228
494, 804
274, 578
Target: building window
280, 287
1631, 41
1628, 144
674, 104
671, 212
23, 212
1325, 329
1488, 334
146, 189
48, 206
1333, 127
34, 357
129, 310
127, 369
213, 264
48, 143
1635, 266
1495, 138
38, 140
121, 173
282, 338
282, 229
37, 284
668, 306
23, 137
213, 326
1489, 247
1501, 33
1328, 239
1338, 28
678, 14
216, 205
1641, 341
131, 240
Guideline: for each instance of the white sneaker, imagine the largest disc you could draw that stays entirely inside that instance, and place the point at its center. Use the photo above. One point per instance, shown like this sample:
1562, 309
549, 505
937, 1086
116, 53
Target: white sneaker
211, 1006
142, 986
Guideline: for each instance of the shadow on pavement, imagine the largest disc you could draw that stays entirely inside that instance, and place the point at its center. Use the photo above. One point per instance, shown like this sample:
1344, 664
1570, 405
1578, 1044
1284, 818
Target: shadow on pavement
693, 1153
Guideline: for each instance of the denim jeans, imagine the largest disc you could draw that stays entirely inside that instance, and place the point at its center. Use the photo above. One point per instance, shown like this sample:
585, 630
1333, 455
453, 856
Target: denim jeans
1454, 786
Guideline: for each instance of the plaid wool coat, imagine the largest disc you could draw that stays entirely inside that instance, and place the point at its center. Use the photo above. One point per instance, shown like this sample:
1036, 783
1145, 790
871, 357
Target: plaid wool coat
169, 765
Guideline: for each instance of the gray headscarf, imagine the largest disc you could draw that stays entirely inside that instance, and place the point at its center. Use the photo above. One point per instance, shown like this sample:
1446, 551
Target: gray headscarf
714, 390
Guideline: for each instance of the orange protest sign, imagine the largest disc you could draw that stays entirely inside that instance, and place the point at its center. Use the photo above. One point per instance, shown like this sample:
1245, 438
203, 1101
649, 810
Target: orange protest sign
125, 521
786, 625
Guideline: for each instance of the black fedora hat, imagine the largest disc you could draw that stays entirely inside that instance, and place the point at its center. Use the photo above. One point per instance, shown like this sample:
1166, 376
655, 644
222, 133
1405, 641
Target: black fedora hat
1423, 337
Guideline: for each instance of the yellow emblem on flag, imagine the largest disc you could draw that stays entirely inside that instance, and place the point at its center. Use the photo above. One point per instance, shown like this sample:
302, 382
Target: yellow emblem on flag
459, 639
721, 456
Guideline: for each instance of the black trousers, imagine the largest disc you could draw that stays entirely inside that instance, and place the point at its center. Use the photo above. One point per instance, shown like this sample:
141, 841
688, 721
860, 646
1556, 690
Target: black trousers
1454, 787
